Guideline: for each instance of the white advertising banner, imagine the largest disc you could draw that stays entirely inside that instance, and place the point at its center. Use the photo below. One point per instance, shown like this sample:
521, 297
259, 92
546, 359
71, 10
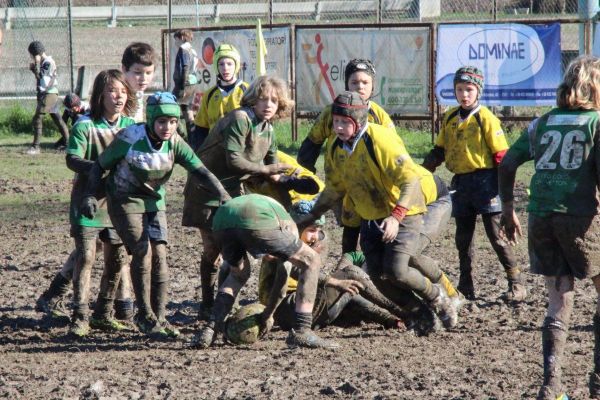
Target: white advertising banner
400, 55
520, 63
205, 43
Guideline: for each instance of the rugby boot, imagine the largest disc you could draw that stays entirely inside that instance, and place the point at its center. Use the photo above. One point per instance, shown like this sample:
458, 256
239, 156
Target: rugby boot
107, 324
309, 339
443, 308
208, 333
456, 298
554, 337
516, 288
594, 385
205, 337
51, 302
80, 327
465, 285
151, 327
170, 329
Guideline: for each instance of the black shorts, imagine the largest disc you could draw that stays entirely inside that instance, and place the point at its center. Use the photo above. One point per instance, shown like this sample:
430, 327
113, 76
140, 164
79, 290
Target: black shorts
282, 242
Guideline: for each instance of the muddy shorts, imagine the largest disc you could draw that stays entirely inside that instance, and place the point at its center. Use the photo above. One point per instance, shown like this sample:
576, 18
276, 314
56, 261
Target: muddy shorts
282, 242
47, 103
198, 216
437, 216
149, 226
406, 241
564, 245
106, 235
475, 193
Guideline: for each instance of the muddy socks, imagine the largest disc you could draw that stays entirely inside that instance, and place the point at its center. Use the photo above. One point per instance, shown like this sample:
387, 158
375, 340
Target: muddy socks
554, 337
303, 321
58, 287
124, 309
223, 305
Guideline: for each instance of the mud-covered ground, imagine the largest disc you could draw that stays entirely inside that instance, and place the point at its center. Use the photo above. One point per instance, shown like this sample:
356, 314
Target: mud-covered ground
493, 353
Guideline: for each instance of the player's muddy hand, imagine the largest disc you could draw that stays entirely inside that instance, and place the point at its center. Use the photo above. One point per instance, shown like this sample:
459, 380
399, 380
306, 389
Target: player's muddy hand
347, 285
89, 207
510, 227
389, 227
273, 169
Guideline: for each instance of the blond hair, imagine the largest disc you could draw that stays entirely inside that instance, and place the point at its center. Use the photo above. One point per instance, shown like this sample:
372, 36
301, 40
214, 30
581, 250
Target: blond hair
265, 84
580, 88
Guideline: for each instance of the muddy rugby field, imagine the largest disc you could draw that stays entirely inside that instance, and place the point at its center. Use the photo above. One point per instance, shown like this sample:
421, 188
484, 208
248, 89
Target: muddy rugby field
494, 353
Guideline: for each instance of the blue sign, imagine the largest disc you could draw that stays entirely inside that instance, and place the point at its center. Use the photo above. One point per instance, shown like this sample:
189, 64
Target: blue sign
521, 64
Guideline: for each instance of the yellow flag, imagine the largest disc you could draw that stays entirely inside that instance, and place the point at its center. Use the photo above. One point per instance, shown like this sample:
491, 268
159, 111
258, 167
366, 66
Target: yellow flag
261, 51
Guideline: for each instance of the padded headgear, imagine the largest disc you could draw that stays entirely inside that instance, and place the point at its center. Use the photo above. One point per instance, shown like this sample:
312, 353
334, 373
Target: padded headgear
304, 207
470, 74
226, 51
351, 105
71, 100
358, 64
36, 48
161, 104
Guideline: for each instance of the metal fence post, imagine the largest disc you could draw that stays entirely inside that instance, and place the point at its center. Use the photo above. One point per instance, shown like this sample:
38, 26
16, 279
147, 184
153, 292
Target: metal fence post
70, 33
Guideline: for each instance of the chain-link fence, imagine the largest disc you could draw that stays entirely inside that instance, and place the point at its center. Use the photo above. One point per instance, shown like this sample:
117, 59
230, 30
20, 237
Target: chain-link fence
101, 29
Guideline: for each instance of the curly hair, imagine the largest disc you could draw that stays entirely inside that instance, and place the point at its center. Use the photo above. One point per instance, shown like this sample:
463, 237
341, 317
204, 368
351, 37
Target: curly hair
265, 84
580, 88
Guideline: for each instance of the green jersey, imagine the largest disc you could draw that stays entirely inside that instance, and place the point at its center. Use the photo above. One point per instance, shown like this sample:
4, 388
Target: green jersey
252, 211
240, 131
88, 139
563, 145
138, 172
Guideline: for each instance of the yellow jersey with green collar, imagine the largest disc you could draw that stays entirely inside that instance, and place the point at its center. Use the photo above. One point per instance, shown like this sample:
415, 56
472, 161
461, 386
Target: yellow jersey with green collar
216, 103
469, 144
323, 126
375, 174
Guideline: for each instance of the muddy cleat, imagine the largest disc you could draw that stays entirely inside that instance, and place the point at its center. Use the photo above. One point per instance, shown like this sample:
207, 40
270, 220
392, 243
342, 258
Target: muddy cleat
151, 328
52, 308
516, 292
172, 332
108, 325
458, 301
205, 337
465, 286
548, 393
308, 338
444, 309
79, 328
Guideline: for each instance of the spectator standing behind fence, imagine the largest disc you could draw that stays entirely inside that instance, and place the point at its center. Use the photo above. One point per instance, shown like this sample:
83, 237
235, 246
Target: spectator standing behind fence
222, 98
43, 68
564, 227
472, 144
184, 75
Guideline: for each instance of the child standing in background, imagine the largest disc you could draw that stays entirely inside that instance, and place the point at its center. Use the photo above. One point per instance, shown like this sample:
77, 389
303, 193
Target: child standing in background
139, 64
222, 98
184, 74
472, 144
46, 86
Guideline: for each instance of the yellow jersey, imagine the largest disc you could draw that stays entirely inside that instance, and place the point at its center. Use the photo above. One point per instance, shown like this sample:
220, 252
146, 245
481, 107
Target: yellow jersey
470, 144
216, 103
